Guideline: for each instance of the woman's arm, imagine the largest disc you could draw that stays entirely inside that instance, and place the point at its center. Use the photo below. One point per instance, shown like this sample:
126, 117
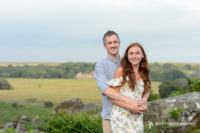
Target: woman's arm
128, 103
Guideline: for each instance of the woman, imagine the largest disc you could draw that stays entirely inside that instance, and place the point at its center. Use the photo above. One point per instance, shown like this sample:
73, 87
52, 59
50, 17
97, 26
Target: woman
132, 80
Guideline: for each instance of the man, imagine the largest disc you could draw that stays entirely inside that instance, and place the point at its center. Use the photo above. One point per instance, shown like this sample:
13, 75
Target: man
105, 70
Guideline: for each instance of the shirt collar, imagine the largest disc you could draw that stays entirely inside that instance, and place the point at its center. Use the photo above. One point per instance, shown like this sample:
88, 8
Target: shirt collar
114, 61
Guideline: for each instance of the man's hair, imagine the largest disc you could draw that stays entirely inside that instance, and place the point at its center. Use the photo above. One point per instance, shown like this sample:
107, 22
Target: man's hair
110, 33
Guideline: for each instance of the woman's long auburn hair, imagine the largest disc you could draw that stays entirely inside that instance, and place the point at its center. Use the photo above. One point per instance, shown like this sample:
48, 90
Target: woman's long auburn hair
127, 69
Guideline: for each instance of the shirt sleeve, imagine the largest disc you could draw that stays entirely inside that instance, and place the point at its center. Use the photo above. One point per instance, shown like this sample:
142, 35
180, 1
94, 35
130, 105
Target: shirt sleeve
114, 82
100, 77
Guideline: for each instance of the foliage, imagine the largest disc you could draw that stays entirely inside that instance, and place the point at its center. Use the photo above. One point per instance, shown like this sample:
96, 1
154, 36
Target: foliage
4, 85
65, 70
48, 104
180, 91
183, 82
9, 113
151, 128
70, 123
70, 69
167, 87
9, 130
176, 113
153, 96
156, 76
173, 74
194, 85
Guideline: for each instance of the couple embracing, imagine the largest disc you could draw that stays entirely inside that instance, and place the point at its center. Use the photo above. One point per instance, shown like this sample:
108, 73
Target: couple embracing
124, 84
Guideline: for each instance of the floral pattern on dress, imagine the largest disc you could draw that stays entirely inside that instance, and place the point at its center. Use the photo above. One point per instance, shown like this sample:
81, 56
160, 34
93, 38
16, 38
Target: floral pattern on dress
122, 120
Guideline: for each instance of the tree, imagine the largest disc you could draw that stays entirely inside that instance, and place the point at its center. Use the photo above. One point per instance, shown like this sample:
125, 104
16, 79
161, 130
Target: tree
173, 74
167, 87
156, 76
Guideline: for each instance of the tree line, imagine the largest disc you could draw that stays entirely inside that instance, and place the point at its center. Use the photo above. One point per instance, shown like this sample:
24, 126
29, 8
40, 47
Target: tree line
159, 72
65, 70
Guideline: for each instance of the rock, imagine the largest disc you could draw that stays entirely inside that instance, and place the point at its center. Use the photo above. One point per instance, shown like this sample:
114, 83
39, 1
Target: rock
10, 125
36, 121
158, 110
76, 105
91, 107
70, 105
20, 128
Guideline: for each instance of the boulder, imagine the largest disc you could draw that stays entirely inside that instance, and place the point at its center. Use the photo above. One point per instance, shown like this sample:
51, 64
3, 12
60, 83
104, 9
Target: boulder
158, 112
91, 107
10, 125
70, 105
20, 128
76, 105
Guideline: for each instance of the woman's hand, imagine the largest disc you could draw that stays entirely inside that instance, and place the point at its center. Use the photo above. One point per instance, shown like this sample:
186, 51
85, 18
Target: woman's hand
142, 102
143, 107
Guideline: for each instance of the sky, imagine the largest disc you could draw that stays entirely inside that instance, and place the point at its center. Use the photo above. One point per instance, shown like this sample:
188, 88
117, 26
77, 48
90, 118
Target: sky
72, 30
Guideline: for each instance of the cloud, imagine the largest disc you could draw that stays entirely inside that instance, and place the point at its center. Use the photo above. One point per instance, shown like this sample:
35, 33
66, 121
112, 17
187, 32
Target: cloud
77, 25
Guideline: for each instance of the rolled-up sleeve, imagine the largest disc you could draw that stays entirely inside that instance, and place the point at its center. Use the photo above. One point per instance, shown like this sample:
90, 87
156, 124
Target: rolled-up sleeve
100, 77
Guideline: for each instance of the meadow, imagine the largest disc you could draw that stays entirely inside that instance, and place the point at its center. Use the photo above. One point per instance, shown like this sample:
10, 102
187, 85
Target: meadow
37, 91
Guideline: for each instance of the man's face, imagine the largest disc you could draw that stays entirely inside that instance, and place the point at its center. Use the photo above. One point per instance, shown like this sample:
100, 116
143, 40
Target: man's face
112, 45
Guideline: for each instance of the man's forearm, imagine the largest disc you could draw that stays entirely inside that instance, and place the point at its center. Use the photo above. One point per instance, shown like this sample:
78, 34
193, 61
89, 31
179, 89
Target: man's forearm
122, 104
113, 94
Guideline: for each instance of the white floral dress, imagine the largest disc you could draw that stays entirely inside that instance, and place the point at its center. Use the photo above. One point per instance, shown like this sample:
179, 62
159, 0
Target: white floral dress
122, 120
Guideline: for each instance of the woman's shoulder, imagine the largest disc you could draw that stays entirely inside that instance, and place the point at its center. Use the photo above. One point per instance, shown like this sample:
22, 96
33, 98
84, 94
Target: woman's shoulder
118, 73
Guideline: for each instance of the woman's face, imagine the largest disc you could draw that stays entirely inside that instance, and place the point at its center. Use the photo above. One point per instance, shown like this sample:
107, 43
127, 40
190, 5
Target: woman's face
135, 55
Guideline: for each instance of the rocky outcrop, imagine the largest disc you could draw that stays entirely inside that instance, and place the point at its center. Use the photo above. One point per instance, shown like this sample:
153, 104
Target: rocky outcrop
158, 113
76, 105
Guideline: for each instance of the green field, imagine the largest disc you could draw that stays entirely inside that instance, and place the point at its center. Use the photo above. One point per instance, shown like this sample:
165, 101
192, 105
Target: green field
37, 91
10, 113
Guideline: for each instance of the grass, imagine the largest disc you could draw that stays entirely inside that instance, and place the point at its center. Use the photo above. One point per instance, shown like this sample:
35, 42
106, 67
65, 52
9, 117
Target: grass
154, 87
55, 90
37, 91
10, 113
31, 92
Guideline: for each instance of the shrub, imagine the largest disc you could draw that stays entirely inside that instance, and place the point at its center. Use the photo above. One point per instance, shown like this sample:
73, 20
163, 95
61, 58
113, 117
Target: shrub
194, 84
14, 105
176, 113
4, 85
70, 123
48, 104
